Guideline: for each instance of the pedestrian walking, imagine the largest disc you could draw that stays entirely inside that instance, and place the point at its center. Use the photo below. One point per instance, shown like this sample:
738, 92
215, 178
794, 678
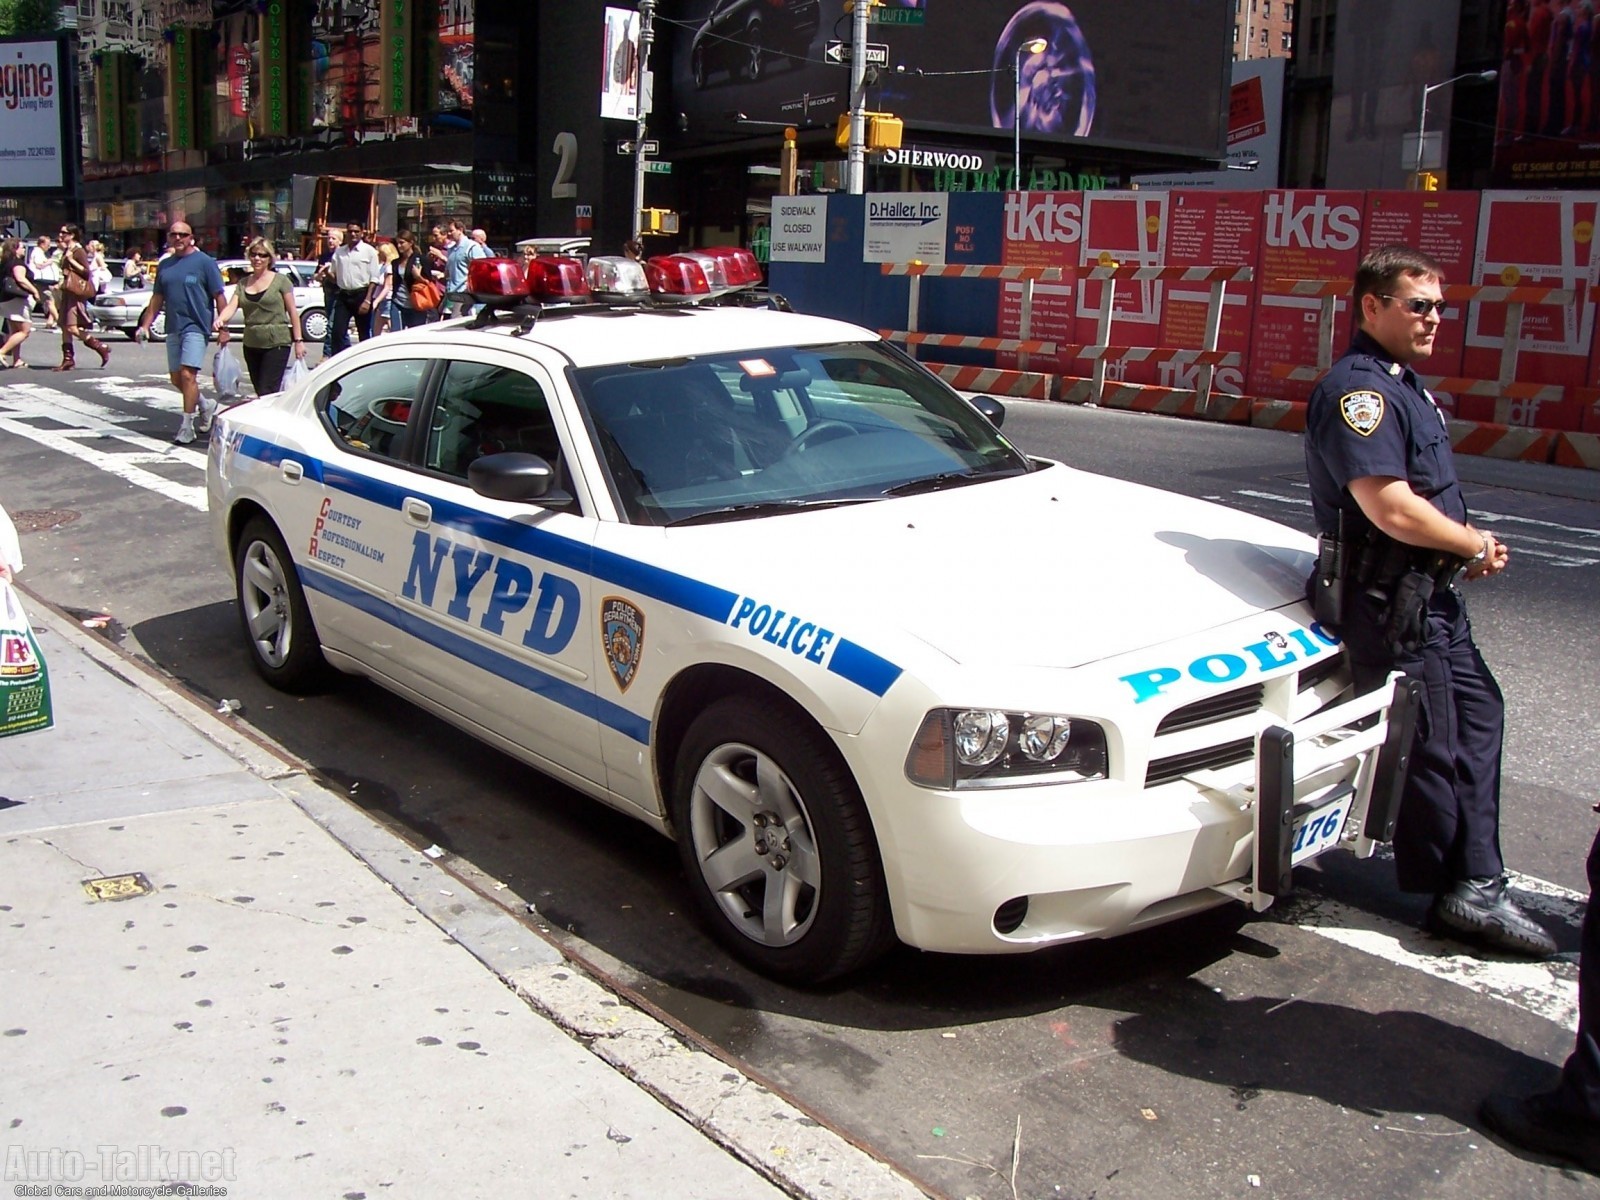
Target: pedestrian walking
271, 322
1396, 541
461, 251
383, 298
18, 293
331, 238
133, 274
1565, 1121
77, 287
410, 268
188, 285
44, 261
99, 269
356, 275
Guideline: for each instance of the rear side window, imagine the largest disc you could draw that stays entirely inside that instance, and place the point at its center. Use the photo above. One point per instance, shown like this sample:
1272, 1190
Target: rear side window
485, 409
368, 408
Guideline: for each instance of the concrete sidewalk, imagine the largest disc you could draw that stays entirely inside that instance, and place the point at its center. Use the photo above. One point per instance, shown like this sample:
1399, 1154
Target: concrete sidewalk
303, 1005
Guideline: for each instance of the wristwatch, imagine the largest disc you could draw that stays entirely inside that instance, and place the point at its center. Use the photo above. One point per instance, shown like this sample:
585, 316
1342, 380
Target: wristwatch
1483, 552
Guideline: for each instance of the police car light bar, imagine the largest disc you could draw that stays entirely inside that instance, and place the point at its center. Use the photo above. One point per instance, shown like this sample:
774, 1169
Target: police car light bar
738, 265
556, 277
677, 277
490, 279
618, 279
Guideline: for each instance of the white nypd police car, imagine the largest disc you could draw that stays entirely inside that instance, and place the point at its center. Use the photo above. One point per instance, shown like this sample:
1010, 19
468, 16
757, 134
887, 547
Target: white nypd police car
765, 583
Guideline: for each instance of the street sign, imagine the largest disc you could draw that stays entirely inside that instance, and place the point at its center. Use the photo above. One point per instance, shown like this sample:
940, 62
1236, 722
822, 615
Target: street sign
651, 146
896, 16
842, 52
654, 166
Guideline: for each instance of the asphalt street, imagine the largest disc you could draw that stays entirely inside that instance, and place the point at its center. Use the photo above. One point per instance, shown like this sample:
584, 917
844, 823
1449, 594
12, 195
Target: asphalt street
1325, 1048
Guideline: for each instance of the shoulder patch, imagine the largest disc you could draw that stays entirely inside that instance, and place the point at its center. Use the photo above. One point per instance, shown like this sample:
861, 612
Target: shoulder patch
1362, 411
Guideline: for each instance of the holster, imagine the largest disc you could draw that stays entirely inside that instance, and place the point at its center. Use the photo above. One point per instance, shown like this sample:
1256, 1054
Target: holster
1328, 584
1407, 611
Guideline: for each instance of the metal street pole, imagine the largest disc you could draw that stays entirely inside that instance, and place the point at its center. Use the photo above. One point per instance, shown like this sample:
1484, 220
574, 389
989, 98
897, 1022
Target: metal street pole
1422, 121
856, 169
647, 12
1032, 47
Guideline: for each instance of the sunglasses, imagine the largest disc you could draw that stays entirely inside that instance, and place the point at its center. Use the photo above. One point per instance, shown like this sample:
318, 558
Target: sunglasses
182, 233
1419, 306
257, 254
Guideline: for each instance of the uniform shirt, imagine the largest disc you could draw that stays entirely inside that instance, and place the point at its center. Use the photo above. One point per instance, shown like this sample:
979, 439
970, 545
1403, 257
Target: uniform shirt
356, 268
1371, 416
188, 285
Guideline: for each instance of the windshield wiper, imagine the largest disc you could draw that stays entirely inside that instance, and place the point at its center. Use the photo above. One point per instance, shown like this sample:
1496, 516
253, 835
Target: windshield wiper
763, 508
946, 479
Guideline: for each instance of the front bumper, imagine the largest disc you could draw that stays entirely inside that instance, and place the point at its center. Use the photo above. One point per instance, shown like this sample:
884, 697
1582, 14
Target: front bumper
1013, 869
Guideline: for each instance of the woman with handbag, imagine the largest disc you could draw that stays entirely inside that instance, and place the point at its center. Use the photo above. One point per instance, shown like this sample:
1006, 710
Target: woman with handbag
271, 322
18, 293
415, 304
77, 288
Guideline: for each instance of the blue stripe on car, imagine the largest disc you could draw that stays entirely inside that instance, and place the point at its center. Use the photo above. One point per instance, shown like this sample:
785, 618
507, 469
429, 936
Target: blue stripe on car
850, 661
486, 658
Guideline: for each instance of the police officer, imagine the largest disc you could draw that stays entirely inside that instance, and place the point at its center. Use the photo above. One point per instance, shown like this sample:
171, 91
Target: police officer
1385, 494
1565, 1122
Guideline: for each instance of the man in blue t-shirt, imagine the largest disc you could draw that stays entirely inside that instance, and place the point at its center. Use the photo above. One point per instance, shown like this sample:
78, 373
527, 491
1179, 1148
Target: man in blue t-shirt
461, 250
188, 285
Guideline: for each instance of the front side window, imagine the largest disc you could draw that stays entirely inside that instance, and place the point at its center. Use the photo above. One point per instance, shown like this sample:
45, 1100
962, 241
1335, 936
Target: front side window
718, 437
484, 409
368, 408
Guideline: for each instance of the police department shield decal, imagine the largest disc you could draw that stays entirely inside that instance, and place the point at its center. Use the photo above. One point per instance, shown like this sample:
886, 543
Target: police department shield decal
1363, 411
622, 631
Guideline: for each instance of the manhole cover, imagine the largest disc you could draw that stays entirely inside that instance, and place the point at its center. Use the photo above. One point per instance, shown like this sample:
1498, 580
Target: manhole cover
117, 887
35, 520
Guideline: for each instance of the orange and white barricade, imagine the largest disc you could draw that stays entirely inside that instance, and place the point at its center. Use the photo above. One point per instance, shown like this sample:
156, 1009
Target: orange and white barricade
1206, 356
1016, 383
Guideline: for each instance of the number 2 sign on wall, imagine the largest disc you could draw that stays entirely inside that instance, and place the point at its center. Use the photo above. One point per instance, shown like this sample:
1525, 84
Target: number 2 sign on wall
566, 149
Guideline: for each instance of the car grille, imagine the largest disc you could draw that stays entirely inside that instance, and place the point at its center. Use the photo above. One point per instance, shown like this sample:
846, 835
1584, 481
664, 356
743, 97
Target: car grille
1215, 710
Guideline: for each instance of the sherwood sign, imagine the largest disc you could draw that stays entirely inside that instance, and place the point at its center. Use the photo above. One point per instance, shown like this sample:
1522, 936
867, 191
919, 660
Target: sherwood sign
939, 156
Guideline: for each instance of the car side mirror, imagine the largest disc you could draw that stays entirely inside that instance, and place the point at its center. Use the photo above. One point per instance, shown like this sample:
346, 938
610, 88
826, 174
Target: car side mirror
991, 408
515, 475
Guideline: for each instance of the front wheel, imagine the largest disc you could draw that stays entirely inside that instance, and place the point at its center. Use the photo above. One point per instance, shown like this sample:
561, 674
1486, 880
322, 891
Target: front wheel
777, 843
273, 612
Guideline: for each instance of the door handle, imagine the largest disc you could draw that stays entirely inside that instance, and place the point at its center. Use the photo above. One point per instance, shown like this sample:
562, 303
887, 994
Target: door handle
418, 512
291, 471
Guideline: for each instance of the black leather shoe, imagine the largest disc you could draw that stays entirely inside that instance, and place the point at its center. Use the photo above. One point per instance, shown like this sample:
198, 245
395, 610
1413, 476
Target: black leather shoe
1482, 911
1536, 1124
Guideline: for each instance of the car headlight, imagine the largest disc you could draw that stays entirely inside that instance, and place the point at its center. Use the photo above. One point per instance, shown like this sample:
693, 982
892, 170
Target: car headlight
981, 747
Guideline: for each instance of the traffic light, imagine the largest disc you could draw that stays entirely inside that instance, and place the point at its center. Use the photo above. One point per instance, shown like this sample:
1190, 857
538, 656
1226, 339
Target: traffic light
1429, 181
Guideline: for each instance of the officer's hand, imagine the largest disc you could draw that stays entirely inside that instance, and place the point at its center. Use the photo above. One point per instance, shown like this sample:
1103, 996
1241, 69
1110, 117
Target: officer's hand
1494, 562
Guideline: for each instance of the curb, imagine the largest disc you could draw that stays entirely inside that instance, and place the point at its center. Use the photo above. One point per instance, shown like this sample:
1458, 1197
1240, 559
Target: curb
793, 1148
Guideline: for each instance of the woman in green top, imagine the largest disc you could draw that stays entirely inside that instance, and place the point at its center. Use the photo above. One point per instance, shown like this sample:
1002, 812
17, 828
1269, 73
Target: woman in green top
271, 324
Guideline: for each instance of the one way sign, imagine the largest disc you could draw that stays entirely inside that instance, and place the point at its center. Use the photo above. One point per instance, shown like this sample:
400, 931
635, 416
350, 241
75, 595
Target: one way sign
651, 146
840, 52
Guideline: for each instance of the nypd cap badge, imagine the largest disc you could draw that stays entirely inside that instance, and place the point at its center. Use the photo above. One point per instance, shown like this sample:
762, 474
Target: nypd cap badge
622, 634
1362, 411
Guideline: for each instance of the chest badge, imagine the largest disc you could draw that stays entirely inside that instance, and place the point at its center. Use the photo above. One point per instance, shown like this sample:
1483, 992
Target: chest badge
622, 633
1362, 411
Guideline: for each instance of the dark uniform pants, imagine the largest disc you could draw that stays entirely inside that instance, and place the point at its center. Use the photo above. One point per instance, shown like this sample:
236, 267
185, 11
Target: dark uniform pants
1449, 825
1579, 1091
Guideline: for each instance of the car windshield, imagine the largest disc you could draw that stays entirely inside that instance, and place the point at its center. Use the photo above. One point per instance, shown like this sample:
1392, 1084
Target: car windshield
756, 432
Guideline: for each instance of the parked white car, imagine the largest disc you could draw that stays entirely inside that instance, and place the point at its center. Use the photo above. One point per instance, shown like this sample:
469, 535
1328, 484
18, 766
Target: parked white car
121, 309
765, 583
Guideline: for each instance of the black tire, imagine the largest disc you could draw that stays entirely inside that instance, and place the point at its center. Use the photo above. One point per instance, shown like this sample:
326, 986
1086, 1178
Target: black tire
314, 324
803, 825
273, 613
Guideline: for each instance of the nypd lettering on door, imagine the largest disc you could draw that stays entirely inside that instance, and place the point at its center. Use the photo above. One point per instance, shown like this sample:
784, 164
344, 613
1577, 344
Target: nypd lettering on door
494, 593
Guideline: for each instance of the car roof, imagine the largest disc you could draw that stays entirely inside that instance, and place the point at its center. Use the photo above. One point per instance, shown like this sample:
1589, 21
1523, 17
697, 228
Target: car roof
600, 337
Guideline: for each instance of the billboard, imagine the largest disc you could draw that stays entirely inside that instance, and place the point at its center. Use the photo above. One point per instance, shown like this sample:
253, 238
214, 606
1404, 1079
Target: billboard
1255, 130
619, 59
1137, 73
1384, 55
34, 88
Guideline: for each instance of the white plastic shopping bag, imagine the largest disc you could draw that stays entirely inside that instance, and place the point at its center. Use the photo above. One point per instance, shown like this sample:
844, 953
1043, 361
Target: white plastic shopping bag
226, 372
293, 373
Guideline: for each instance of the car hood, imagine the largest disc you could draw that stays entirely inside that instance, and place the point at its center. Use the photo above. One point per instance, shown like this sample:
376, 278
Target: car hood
1053, 569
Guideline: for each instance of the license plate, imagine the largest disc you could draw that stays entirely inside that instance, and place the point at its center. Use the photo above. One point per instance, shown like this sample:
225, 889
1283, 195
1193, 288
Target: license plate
1319, 830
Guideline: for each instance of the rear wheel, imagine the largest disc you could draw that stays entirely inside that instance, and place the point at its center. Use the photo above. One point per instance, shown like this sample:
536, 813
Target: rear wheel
273, 612
314, 324
777, 843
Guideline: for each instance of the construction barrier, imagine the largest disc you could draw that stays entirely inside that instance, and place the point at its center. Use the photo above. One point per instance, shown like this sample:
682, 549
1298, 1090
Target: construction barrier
916, 272
1171, 402
994, 381
1287, 415
1578, 450
1488, 440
